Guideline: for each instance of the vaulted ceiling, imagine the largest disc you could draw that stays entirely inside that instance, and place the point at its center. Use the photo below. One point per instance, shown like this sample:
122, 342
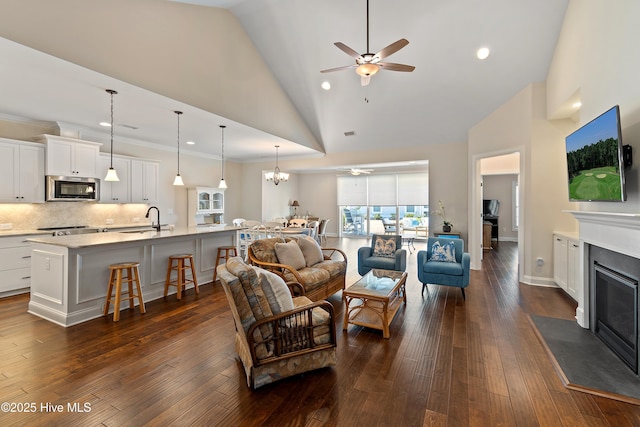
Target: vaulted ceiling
449, 91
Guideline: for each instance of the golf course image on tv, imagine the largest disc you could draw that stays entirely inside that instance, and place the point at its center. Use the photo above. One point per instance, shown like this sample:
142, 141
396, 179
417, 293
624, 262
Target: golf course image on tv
594, 160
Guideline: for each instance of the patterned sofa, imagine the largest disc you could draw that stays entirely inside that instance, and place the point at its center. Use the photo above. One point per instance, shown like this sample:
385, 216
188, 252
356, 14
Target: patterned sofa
277, 335
319, 274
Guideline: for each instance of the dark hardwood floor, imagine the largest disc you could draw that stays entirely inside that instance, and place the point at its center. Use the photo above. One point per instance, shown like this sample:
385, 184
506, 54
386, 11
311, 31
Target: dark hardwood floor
448, 362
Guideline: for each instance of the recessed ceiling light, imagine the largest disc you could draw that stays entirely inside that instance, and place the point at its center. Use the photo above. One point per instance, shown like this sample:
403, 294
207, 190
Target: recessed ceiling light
190, 143
326, 85
483, 53
577, 104
105, 124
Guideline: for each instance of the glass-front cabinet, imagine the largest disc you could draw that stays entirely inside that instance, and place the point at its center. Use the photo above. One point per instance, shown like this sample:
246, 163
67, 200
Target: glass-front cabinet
210, 200
204, 201
206, 206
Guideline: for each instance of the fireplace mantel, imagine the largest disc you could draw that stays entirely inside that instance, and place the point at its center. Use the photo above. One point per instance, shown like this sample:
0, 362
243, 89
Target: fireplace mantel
620, 219
616, 231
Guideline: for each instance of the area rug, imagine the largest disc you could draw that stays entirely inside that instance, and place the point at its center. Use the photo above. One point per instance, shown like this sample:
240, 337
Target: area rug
585, 363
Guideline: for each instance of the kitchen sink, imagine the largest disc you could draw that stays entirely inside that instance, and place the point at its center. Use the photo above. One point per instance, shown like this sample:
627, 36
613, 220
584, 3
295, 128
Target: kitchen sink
138, 231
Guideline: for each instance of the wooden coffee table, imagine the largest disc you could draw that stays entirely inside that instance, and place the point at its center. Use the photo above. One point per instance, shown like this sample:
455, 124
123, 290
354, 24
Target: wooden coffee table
374, 299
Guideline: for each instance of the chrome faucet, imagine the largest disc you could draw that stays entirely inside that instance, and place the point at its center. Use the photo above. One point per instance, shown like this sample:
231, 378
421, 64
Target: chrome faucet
157, 227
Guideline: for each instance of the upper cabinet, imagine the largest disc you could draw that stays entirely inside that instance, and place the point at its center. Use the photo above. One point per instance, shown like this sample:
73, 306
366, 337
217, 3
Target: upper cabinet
115, 191
207, 200
144, 181
71, 157
21, 172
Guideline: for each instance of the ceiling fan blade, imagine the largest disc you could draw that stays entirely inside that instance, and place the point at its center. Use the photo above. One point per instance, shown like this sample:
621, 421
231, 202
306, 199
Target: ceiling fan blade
364, 80
392, 48
395, 67
337, 68
346, 49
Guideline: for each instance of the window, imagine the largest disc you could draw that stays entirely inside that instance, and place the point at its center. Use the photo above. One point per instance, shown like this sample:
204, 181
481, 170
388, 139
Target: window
368, 203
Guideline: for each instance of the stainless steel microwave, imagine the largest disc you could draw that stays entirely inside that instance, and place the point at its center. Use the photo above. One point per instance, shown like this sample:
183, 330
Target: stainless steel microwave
72, 189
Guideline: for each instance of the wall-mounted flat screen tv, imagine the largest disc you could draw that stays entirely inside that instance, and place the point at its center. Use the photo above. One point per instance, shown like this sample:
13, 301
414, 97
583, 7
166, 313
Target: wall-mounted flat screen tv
594, 160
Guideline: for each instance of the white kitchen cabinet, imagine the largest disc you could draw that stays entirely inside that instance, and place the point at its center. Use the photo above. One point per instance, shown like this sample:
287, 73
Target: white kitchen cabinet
145, 175
115, 191
15, 265
205, 206
21, 172
566, 253
71, 157
206, 200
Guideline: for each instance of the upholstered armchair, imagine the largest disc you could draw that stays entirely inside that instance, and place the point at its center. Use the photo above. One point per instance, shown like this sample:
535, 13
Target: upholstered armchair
277, 335
385, 253
444, 263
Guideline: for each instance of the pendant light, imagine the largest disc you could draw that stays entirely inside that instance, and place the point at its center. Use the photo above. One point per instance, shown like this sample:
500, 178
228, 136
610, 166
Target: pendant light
276, 176
178, 178
222, 183
112, 175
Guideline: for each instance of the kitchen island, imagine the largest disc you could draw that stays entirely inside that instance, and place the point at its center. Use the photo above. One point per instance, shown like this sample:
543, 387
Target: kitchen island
70, 274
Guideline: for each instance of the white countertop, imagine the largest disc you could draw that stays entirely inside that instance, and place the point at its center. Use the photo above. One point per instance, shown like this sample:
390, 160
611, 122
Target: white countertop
107, 238
23, 232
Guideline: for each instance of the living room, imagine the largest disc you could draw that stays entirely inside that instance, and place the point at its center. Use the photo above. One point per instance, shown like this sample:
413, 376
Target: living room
534, 123
595, 62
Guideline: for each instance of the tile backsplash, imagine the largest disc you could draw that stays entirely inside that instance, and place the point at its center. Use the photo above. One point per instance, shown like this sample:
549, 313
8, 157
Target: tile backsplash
60, 214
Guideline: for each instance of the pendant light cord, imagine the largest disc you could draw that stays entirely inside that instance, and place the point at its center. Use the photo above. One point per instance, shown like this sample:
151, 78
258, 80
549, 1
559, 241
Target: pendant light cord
222, 127
112, 92
178, 113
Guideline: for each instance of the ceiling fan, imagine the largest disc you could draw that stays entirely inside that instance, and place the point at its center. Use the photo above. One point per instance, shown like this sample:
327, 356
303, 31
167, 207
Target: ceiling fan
357, 171
368, 64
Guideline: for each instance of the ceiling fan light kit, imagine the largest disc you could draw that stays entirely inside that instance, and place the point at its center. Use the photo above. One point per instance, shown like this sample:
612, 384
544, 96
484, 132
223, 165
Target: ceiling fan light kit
368, 64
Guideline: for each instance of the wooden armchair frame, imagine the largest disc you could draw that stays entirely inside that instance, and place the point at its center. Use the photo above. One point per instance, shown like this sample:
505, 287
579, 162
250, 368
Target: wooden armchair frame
292, 333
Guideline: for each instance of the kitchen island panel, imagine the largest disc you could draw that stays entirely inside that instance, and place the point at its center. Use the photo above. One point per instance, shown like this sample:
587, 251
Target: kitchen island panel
70, 275
206, 259
49, 276
93, 275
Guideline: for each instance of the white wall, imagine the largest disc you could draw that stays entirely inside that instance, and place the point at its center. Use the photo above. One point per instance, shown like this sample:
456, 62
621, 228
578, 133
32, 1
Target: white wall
598, 56
520, 125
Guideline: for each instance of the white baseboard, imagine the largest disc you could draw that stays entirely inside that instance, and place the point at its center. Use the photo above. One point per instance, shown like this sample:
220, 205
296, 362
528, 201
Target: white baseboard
546, 282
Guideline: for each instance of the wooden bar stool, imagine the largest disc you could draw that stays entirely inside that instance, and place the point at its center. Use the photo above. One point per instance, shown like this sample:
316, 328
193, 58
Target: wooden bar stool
116, 278
179, 264
229, 251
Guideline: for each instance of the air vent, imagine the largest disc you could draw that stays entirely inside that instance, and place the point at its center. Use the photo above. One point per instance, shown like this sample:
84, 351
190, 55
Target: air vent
350, 133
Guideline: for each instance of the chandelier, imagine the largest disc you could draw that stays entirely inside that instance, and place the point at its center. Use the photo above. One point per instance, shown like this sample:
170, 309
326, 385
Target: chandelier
276, 176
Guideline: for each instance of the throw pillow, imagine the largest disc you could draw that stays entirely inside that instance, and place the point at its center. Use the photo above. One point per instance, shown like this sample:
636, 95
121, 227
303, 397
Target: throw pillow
290, 254
276, 291
385, 248
310, 250
443, 253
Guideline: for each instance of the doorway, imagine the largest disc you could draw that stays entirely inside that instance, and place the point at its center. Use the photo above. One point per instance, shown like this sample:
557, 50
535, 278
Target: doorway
496, 176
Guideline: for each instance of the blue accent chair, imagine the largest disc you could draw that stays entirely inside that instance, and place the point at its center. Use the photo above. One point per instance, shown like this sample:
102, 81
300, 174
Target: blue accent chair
444, 273
366, 260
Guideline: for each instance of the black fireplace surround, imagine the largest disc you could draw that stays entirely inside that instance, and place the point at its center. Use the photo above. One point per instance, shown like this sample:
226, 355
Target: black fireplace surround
614, 302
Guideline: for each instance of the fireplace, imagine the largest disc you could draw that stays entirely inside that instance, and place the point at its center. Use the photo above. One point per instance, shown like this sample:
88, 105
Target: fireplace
615, 311
610, 240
